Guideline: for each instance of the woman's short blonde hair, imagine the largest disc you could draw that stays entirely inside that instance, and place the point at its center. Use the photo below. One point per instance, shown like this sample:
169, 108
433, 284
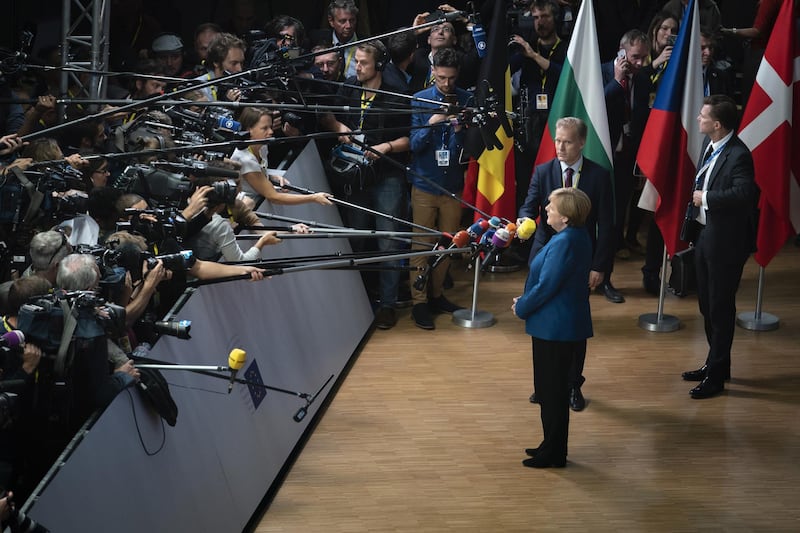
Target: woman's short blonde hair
572, 203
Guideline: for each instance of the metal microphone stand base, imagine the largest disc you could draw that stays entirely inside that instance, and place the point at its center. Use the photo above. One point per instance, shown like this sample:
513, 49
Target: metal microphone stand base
472, 318
754, 321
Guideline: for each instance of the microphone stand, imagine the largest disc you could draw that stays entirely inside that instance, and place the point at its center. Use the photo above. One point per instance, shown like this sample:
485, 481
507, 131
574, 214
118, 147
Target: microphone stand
472, 318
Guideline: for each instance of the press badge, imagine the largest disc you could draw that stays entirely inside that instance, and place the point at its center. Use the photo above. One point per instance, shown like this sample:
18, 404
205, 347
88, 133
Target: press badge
542, 103
443, 158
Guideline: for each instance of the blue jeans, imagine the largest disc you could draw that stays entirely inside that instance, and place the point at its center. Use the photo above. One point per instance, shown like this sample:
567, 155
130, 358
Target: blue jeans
387, 196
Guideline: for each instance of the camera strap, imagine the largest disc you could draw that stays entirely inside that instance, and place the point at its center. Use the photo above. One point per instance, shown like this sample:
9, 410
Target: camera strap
36, 197
70, 323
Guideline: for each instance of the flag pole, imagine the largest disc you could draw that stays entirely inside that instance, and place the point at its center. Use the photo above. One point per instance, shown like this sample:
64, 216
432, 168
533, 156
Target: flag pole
758, 320
658, 321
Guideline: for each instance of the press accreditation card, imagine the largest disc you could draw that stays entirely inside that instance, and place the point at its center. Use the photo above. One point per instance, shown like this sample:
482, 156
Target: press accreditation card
542, 103
443, 158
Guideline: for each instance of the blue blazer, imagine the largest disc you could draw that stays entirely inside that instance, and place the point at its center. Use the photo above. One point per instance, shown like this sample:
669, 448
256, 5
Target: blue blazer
555, 305
595, 181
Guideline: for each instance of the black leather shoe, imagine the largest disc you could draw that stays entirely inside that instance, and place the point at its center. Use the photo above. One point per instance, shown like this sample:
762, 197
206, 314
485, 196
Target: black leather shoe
700, 374
543, 462
422, 316
385, 318
533, 398
706, 389
531, 452
611, 294
443, 305
652, 284
576, 400
695, 375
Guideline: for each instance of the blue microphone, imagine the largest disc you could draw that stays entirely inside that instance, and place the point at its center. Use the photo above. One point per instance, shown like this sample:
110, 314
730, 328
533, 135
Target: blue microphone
479, 36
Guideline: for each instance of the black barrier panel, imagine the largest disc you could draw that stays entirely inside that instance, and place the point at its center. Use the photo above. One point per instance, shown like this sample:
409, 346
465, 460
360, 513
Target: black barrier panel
220, 459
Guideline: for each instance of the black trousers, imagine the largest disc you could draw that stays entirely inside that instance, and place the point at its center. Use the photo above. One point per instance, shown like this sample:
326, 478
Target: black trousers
551, 364
718, 280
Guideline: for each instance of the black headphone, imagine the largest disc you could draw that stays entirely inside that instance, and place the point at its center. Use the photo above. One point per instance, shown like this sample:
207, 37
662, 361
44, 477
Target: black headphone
382, 57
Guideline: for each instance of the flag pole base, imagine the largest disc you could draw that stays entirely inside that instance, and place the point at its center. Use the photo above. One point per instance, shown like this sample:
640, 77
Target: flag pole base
764, 322
664, 324
468, 318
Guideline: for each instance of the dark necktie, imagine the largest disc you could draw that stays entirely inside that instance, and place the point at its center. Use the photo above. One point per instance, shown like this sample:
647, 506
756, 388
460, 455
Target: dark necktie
698, 182
568, 177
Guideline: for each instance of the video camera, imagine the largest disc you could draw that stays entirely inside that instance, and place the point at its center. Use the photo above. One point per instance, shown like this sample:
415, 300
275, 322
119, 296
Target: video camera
214, 124
157, 225
48, 184
161, 186
263, 52
42, 320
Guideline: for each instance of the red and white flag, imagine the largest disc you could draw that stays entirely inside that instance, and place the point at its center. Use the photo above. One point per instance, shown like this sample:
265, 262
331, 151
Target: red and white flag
771, 129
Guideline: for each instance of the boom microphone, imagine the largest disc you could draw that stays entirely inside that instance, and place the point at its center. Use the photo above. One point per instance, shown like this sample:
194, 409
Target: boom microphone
236, 361
12, 339
197, 168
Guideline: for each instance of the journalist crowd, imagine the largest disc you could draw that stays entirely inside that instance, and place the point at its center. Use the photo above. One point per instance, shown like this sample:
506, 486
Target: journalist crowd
108, 210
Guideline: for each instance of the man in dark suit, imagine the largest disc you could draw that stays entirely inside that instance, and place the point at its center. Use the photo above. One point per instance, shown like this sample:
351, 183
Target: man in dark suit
627, 89
726, 200
571, 169
715, 79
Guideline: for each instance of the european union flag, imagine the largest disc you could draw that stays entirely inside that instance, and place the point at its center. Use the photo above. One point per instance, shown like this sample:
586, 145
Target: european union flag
253, 376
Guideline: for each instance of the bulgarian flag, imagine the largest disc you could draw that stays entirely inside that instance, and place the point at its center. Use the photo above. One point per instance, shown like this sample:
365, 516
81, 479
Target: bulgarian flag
490, 182
579, 93
769, 129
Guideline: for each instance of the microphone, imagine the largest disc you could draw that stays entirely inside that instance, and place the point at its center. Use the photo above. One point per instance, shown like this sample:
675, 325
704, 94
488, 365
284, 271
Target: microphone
300, 414
500, 240
479, 36
460, 240
477, 229
454, 16
526, 229
12, 339
199, 169
236, 361
494, 224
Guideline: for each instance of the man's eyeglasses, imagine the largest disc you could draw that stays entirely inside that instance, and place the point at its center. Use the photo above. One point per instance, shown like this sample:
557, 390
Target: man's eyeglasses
286, 37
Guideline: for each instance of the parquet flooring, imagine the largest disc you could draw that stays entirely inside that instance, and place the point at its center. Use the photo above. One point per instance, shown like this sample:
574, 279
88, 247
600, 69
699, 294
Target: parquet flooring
427, 431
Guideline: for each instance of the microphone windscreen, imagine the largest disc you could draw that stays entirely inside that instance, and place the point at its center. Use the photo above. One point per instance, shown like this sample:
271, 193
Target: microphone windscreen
495, 222
13, 338
236, 359
511, 228
526, 229
477, 229
500, 238
461, 239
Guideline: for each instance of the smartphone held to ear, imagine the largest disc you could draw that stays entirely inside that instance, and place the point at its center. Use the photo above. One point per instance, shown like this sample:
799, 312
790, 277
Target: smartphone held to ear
621, 54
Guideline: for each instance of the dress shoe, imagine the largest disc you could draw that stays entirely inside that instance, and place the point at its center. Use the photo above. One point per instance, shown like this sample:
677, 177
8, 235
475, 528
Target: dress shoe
611, 294
651, 283
544, 462
576, 400
531, 452
706, 389
385, 318
422, 316
443, 305
700, 374
533, 398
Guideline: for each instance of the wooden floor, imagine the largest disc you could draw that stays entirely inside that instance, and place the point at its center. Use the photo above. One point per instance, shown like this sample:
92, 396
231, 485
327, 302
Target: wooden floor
428, 430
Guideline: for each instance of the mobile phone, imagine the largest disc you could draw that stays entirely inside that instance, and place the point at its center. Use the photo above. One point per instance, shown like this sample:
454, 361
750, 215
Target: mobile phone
451, 99
671, 39
621, 54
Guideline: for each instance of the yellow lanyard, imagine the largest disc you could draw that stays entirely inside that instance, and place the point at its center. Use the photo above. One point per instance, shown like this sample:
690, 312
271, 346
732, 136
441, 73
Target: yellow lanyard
542, 72
366, 103
213, 88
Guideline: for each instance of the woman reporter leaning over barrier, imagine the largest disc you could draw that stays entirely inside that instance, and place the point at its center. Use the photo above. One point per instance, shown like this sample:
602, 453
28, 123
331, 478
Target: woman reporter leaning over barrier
253, 162
555, 307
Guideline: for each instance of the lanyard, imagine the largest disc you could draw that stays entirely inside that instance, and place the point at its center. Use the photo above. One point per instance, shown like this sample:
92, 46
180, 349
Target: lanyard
351, 52
542, 72
213, 88
366, 103
701, 174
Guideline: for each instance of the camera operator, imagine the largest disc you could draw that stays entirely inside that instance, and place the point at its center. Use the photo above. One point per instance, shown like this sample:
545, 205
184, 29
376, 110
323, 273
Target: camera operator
19, 365
79, 272
47, 249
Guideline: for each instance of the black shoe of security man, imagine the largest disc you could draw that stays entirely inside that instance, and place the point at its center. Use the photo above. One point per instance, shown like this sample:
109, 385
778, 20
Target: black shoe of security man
443, 305
423, 318
385, 318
